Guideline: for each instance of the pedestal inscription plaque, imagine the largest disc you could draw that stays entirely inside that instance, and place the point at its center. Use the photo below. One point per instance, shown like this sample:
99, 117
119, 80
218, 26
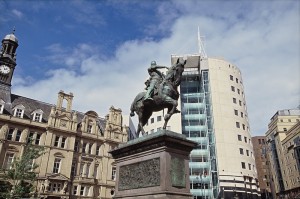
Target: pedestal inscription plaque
140, 175
177, 172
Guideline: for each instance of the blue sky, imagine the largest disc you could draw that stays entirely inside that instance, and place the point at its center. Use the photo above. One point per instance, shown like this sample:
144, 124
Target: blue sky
100, 50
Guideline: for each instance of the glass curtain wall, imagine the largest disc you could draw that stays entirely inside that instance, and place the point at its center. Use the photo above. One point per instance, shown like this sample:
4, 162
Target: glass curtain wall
197, 125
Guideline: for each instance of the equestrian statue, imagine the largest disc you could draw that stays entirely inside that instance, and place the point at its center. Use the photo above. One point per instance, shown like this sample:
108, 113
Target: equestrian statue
161, 93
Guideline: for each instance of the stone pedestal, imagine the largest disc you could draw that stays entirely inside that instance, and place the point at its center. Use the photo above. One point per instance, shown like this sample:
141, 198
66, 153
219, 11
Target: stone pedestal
154, 166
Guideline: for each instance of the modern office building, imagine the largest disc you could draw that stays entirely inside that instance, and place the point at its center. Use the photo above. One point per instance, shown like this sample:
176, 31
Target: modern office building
76, 162
283, 140
214, 114
262, 166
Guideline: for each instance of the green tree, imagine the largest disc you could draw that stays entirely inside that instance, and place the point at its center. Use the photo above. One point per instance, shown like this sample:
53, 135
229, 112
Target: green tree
21, 175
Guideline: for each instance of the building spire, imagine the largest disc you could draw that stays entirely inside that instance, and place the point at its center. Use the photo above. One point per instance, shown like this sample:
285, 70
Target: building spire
201, 46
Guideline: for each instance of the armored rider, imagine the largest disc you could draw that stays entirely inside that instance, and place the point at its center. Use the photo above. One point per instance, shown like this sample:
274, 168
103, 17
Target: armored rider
155, 77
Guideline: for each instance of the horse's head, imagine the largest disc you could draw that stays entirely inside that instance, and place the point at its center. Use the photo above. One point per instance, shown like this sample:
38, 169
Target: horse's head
179, 68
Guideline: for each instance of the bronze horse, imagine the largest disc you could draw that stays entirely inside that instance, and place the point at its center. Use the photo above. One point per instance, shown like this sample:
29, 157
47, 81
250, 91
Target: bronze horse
166, 97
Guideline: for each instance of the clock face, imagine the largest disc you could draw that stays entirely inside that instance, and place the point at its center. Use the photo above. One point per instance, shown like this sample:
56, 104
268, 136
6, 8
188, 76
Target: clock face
4, 69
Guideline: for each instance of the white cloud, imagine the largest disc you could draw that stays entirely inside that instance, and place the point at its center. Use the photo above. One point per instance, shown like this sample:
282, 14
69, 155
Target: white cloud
17, 13
262, 39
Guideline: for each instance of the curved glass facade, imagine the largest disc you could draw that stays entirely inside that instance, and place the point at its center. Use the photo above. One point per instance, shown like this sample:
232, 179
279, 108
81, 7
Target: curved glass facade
197, 125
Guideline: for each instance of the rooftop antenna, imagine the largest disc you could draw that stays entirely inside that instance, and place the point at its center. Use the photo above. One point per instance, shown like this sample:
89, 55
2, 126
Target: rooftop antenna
201, 46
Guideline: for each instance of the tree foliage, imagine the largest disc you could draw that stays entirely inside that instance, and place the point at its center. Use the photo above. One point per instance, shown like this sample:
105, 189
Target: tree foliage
21, 175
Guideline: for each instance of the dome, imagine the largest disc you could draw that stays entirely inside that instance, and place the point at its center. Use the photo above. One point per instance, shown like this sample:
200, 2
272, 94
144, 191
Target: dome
11, 37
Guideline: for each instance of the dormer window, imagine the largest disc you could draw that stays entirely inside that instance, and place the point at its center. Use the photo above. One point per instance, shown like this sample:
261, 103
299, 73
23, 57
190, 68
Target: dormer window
19, 111
89, 126
37, 115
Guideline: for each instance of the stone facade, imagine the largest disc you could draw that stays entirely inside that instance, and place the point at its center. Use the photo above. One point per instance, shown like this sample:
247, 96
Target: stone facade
76, 162
282, 136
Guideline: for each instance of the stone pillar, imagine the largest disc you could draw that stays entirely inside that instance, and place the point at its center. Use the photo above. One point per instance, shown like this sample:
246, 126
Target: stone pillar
154, 166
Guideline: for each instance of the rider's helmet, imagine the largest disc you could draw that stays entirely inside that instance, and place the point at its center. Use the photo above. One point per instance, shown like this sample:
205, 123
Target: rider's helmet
153, 63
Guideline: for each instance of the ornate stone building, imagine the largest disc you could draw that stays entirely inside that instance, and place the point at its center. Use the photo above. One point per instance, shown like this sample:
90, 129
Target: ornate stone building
76, 162
283, 141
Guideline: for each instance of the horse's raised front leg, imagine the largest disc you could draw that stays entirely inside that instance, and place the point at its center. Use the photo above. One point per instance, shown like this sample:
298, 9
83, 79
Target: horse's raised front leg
171, 111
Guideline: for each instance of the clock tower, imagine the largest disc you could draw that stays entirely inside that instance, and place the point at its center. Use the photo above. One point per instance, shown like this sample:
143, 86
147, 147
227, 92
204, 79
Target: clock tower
7, 65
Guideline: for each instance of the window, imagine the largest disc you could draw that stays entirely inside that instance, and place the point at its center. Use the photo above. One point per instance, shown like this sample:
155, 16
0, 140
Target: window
9, 159
113, 173
247, 152
73, 168
238, 91
84, 147
232, 88
158, 118
236, 112
243, 165
236, 80
284, 129
56, 165
259, 141
19, 113
231, 77
82, 190
237, 124
30, 137
37, 139
244, 127
63, 142
234, 100
75, 190
240, 102
10, 134
89, 128
55, 187
239, 138
152, 120
245, 138
241, 151
242, 114
263, 141
18, 136
60, 141
249, 166
97, 149
56, 142
37, 117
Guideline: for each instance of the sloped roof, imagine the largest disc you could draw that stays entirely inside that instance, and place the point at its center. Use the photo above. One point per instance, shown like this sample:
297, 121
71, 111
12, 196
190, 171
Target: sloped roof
32, 105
